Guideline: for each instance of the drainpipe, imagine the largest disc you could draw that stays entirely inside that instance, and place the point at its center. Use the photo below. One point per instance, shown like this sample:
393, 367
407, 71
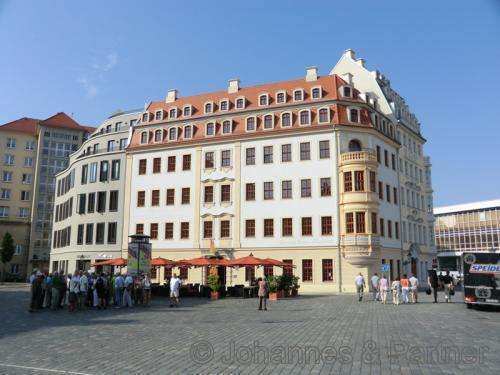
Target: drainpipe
336, 167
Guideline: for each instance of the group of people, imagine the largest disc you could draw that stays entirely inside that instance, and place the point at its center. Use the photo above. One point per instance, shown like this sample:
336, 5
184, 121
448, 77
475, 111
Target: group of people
404, 289
83, 290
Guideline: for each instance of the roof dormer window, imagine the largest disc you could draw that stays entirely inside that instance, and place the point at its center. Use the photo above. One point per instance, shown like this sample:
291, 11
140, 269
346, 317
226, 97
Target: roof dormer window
209, 107
298, 95
316, 93
144, 137
188, 132
240, 103
281, 97
187, 111
224, 105
323, 115
268, 122
210, 129
346, 92
251, 124
172, 113
263, 99
227, 127
286, 119
145, 117
354, 115
158, 135
172, 134
305, 117
159, 115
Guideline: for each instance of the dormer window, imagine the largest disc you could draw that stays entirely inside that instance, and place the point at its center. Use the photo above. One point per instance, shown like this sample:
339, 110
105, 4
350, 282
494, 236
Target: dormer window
324, 115
172, 113
354, 115
188, 132
172, 134
227, 127
210, 129
224, 105
186, 111
305, 117
251, 124
209, 107
316, 93
268, 122
286, 120
158, 115
240, 103
158, 135
144, 137
347, 92
298, 95
145, 117
281, 97
264, 99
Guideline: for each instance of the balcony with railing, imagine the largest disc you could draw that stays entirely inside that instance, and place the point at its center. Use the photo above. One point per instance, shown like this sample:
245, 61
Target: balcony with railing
357, 157
360, 249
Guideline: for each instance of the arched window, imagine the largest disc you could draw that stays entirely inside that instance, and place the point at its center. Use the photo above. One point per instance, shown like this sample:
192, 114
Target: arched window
144, 137
268, 122
172, 134
173, 113
158, 135
354, 145
323, 115
286, 119
208, 108
210, 129
304, 118
354, 115
250, 124
263, 99
226, 127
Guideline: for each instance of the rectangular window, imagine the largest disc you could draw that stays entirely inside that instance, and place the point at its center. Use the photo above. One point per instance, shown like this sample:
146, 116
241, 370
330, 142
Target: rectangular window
286, 189
142, 166
156, 165
386, 158
349, 222
169, 231
307, 226
207, 229
359, 181
268, 271
250, 228
326, 186
382, 227
373, 183
209, 160
305, 188
123, 143
378, 154
389, 228
81, 203
307, 269
101, 201
326, 225
99, 233
324, 149
305, 151
388, 193
225, 230
286, 153
268, 190
79, 238
208, 194
396, 230
113, 200
111, 146
112, 233
225, 158
186, 195
141, 198
374, 223
171, 164
250, 156
225, 193
268, 154
93, 172
184, 230
250, 192
393, 161
347, 181
395, 195
186, 162
380, 190
327, 268
360, 222
170, 197
89, 234
104, 171
139, 229
115, 169
85, 170
153, 231
249, 274
268, 227
155, 197
287, 227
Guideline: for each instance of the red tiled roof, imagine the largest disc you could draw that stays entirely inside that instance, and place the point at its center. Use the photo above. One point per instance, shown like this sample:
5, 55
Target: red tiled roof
22, 125
62, 120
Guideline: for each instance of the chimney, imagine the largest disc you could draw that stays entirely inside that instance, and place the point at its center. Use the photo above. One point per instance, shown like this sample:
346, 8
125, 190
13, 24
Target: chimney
349, 53
361, 62
311, 74
171, 96
347, 77
234, 86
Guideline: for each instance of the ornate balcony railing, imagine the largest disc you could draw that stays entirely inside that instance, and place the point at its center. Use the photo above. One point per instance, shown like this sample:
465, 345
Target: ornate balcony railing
358, 156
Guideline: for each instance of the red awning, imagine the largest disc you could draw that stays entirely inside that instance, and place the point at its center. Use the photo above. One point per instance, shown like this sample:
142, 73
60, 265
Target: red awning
248, 261
278, 263
162, 262
117, 262
205, 262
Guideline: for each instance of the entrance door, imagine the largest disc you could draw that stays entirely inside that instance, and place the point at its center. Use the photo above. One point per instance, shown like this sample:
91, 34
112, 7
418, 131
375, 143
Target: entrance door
414, 266
221, 271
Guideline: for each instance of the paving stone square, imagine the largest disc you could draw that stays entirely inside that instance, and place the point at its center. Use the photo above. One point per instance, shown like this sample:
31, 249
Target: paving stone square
317, 334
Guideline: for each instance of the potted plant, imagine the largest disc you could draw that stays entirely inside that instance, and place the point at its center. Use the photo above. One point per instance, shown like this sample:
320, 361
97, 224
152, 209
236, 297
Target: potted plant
295, 286
214, 285
285, 284
272, 284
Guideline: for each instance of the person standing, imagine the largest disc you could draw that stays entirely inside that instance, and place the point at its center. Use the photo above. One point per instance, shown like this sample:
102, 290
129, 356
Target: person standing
396, 291
127, 293
432, 281
146, 289
414, 289
84, 288
36, 292
175, 284
375, 287
262, 293
384, 288
100, 286
447, 281
119, 285
405, 288
47, 286
56, 287
137, 290
359, 281
74, 289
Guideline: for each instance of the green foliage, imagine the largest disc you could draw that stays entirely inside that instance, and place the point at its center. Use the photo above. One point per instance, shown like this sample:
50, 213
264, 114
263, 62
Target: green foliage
272, 283
285, 282
213, 283
7, 251
295, 282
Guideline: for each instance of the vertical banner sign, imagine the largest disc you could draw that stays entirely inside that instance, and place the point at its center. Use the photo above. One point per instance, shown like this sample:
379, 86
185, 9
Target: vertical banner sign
139, 258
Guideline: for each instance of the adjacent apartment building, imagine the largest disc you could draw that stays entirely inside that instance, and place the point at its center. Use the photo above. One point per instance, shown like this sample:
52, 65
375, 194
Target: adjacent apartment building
89, 197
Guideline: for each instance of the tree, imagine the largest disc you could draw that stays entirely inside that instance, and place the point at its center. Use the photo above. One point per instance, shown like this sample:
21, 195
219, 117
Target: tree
6, 251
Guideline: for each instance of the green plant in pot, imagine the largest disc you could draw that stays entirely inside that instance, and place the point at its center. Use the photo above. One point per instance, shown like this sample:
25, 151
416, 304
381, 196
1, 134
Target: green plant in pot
295, 285
285, 284
273, 284
214, 285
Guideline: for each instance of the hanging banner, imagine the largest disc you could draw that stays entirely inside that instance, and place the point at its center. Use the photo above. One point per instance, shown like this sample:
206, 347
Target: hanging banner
139, 258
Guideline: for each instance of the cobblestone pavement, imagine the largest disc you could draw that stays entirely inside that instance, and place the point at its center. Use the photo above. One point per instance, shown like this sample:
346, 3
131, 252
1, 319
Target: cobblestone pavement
309, 334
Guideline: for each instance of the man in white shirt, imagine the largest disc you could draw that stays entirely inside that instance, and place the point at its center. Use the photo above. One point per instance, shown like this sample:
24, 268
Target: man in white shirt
375, 287
84, 286
175, 284
127, 293
359, 281
413, 289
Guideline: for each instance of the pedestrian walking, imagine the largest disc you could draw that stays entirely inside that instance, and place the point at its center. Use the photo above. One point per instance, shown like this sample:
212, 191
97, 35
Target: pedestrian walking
56, 287
375, 287
396, 291
127, 292
47, 288
359, 281
262, 293
384, 288
146, 289
36, 301
432, 281
119, 286
175, 284
84, 289
414, 289
74, 289
100, 286
448, 284
405, 288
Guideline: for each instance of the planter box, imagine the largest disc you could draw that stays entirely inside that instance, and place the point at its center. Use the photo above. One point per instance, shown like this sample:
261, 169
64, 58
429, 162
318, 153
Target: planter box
214, 295
273, 296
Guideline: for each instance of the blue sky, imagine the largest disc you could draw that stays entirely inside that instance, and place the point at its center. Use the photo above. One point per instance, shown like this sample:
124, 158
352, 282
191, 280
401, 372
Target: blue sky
91, 58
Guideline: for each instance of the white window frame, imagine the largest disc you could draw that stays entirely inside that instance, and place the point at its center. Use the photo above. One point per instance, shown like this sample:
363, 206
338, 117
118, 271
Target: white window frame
291, 119
244, 102
176, 133
320, 92
300, 120
161, 115
220, 104
302, 97
147, 137
176, 113
190, 110
161, 135
342, 91
267, 99
319, 118
264, 121
349, 115
211, 106
276, 96
184, 131
148, 114
206, 129
255, 124
230, 124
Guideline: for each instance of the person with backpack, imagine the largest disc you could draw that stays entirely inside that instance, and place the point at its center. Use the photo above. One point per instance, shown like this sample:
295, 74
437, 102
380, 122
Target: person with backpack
448, 284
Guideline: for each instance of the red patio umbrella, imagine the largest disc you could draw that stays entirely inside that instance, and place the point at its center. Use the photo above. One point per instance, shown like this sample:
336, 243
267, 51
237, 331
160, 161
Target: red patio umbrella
162, 262
117, 262
248, 261
206, 262
278, 263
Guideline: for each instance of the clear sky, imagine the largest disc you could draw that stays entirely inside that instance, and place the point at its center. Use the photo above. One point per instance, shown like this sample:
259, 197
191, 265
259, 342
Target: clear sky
90, 58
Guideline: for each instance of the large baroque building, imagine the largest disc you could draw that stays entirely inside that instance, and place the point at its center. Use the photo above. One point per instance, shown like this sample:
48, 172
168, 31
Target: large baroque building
89, 197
